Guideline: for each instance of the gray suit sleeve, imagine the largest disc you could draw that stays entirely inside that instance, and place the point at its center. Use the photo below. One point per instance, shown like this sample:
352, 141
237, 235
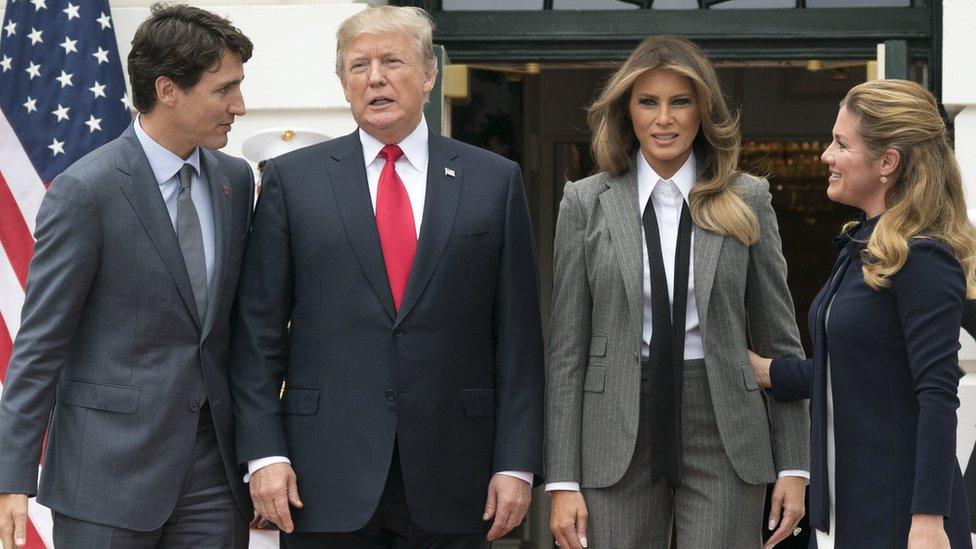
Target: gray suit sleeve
569, 340
773, 332
65, 261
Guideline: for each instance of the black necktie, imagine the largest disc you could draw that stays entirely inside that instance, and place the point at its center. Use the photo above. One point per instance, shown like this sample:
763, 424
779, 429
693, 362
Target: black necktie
667, 345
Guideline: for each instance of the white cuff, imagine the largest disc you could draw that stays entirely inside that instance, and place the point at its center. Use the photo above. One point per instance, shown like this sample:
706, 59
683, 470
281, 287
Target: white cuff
255, 464
794, 473
567, 486
524, 476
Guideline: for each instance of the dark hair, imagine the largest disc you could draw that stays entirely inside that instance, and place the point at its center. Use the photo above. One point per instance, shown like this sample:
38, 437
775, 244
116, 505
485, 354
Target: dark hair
179, 42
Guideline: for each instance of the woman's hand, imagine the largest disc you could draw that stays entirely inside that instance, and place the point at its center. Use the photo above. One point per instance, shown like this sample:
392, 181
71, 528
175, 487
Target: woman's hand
568, 519
760, 369
928, 532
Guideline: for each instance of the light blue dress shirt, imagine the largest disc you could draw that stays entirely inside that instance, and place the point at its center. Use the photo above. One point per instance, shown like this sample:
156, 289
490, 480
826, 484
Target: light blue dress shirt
166, 167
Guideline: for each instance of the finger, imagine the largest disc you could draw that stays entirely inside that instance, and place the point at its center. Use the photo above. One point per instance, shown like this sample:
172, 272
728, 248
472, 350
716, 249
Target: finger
784, 530
581, 525
293, 493
498, 527
20, 527
490, 502
572, 540
7, 538
284, 514
775, 508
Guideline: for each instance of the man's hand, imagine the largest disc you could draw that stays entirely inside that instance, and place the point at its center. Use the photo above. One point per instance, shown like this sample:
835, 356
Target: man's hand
568, 519
786, 509
13, 520
928, 532
508, 501
273, 487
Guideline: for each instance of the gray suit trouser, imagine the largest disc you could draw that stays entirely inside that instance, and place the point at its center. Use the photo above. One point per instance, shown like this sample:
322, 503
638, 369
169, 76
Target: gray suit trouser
206, 514
711, 506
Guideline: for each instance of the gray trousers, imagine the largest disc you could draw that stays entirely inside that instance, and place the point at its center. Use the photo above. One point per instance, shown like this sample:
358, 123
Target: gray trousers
711, 506
206, 514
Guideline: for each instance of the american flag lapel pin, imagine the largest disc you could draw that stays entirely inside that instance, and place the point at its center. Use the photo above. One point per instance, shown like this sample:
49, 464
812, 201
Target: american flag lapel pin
448, 172
226, 190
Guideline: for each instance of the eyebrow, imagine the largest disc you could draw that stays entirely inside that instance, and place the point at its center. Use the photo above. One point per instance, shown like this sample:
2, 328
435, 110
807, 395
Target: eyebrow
675, 96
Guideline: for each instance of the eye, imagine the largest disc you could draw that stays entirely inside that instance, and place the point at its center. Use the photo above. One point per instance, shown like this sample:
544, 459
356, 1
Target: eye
646, 102
393, 62
682, 101
357, 67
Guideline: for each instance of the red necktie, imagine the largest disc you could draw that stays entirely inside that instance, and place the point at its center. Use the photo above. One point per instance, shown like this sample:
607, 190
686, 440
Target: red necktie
394, 221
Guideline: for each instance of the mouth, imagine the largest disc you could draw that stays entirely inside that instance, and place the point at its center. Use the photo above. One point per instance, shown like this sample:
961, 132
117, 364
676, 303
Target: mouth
380, 102
834, 176
665, 138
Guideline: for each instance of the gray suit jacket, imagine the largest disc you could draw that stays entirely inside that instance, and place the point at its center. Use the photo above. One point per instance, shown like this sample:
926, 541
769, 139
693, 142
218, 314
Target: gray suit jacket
593, 369
111, 340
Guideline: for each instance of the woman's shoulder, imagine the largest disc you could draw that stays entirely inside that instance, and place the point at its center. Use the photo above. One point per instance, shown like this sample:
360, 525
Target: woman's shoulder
749, 185
929, 260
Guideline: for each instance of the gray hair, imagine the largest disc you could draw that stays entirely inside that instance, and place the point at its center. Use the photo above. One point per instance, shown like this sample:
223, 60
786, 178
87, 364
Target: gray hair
412, 21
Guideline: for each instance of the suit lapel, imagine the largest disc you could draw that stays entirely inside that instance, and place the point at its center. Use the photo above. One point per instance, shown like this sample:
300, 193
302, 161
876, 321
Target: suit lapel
440, 209
708, 245
220, 203
623, 216
142, 192
348, 174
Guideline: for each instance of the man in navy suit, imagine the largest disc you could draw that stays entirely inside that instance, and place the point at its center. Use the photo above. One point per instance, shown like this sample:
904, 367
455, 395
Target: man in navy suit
390, 279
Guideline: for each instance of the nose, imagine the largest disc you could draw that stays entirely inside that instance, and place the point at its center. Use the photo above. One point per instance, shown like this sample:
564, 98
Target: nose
663, 116
377, 74
236, 106
827, 157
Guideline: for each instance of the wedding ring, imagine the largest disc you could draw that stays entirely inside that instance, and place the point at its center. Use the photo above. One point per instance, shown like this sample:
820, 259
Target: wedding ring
797, 530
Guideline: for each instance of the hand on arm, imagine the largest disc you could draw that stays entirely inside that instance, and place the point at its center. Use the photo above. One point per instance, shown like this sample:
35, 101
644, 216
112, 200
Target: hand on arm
13, 520
760, 369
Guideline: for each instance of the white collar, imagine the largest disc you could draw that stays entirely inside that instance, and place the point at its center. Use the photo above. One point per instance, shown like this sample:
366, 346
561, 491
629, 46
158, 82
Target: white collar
164, 164
683, 179
414, 146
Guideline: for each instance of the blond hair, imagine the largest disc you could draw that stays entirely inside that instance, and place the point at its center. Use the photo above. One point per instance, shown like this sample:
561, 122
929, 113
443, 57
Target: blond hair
925, 199
412, 21
715, 204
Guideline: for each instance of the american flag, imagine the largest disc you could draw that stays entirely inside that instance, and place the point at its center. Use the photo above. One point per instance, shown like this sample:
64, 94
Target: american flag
62, 94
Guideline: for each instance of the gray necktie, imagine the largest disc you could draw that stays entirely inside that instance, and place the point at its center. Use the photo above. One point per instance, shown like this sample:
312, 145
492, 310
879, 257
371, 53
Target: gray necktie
191, 240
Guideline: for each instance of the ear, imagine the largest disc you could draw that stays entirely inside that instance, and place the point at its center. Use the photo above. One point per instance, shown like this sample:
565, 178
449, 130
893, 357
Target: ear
429, 79
166, 91
889, 161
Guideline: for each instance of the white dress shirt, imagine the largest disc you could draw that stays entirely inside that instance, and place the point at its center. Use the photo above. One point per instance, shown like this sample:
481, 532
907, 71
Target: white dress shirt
412, 169
166, 168
667, 196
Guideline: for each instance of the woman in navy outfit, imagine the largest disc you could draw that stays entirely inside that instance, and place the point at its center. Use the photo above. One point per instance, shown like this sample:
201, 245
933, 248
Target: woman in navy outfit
885, 327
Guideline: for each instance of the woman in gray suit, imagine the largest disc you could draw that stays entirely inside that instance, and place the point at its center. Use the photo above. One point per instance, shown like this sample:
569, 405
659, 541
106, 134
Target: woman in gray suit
667, 265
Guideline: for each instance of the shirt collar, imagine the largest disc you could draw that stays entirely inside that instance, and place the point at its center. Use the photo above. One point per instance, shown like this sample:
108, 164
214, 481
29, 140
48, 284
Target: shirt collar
165, 165
683, 179
414, 146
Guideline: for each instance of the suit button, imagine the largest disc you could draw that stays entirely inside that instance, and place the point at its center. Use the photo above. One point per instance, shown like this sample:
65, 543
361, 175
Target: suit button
397, 332
391, 395
194, 406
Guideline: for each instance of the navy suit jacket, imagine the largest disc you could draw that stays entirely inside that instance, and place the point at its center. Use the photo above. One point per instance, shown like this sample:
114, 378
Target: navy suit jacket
454, 378
893, 367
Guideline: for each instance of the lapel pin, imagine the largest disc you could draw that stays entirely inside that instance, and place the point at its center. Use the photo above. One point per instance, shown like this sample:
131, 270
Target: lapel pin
226, 190
448, 172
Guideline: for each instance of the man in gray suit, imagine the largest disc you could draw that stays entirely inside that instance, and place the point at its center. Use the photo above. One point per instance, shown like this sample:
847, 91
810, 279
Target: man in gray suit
125, 322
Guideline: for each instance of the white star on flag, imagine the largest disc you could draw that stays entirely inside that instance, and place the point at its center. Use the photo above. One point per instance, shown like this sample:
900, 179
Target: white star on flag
71, 11
101, 55
57, 147
5, 63
69, 45
35, 36
98, 90
39, 4
11, 28
94, 124
105, 21
125, 101
65, 79
61, 112
31, 104
33, 70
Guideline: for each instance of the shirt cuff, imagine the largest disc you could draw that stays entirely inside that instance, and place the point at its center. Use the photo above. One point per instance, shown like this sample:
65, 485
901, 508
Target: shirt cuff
567, 486
524, 476
255, 464
794, 473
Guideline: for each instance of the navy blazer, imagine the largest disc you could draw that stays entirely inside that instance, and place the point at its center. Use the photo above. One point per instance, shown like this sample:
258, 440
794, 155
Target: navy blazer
454, 377
893, 367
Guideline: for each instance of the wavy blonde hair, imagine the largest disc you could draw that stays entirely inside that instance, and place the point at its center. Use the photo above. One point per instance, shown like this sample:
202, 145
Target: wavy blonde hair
714, 203
925, 200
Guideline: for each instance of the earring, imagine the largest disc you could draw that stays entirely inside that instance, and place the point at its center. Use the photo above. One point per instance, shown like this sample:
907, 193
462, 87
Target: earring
884, 179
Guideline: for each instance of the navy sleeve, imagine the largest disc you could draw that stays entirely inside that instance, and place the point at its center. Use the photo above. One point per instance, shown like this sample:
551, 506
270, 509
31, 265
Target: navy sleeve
791, 378
930, 290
